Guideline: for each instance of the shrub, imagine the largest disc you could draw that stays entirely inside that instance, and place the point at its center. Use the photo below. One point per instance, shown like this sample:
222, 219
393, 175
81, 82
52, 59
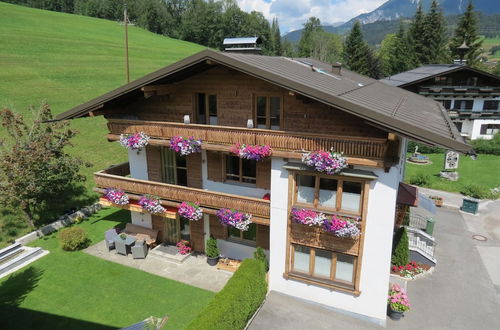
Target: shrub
212, 251
482, 146
423, 149
474, 190
74, 238
401, 251
420, 179
232, 307
259, 254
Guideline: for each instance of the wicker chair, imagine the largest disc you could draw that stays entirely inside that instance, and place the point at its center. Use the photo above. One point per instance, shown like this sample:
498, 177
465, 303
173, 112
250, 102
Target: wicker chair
109, 236
120, 246
139, 250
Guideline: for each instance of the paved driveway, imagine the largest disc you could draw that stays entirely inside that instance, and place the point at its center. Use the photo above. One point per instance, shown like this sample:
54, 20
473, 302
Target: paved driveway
460, 294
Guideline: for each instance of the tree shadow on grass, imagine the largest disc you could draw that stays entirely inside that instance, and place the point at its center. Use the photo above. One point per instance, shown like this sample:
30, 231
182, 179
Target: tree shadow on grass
14, 290
120, 216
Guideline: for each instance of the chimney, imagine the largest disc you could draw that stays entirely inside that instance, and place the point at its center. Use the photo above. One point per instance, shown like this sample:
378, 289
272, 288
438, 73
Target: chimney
337, 68
249, 45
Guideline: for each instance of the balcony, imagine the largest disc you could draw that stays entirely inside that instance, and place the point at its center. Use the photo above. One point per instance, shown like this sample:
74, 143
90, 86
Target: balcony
359, 150
173, 195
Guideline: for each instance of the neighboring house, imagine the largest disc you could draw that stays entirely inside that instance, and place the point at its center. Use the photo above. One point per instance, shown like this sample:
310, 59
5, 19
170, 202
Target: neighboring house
470, 96
296, 105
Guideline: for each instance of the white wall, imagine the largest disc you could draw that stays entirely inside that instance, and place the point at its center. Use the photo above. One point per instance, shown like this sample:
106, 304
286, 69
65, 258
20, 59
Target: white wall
233, 250
371, 303
476, 128
141, 219
228, 188
138, 164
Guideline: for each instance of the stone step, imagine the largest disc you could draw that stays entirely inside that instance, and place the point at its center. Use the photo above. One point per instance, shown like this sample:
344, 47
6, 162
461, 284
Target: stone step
169, 253
24, 258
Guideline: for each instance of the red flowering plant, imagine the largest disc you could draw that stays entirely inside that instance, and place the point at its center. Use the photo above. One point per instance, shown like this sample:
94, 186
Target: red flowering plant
410, 270
183, 247
251, 152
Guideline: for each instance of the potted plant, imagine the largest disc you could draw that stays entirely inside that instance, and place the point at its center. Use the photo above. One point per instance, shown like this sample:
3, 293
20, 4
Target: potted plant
437, 200
212, 252
329, 162
135, 141
397, 302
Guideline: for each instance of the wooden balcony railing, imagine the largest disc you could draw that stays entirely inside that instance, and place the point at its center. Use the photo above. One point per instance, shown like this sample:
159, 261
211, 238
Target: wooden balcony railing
283, 143
174, 194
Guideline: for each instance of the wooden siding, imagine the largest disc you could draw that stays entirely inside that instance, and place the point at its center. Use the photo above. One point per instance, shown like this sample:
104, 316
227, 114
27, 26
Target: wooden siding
264, 174
217, 230
153, 157
158, 223
215, 166
197, 232
194, 176
235, 104
263, 236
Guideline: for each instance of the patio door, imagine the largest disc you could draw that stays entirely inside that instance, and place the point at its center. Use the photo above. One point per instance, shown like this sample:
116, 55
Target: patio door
172, 231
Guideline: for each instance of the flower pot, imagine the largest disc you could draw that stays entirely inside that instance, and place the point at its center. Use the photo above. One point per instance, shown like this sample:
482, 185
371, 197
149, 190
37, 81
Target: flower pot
393, 314
212, 261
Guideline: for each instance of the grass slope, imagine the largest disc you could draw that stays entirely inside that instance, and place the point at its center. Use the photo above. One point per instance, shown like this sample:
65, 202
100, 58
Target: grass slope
74, 290
483, 171
65, 60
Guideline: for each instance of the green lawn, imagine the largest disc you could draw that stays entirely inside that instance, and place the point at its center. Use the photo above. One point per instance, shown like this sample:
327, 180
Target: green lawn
487, 44
483, 171
74, 290
66, 60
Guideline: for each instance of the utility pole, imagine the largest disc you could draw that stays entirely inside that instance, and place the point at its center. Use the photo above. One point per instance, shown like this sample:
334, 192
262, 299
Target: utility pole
125, 21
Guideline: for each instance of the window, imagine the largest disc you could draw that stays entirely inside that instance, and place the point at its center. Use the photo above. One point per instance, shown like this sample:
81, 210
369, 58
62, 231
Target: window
247, 235
491, 105
459, 125
241, 170
174, 167
325, 192
268, 112
443, 80
206, 109
463, 104
490, 129
323, 265
446, 103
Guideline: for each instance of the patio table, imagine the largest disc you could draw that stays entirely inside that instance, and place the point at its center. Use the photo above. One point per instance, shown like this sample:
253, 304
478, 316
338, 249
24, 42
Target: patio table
128, 241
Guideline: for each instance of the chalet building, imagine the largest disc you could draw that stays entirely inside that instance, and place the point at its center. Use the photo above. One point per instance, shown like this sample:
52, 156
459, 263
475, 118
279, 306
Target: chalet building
470, 96
293, 106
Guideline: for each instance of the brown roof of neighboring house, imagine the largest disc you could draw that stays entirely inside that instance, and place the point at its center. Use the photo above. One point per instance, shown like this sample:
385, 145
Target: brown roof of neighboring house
407, 195
391, 108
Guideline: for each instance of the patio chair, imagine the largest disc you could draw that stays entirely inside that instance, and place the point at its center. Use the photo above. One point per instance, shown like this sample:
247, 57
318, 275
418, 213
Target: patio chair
139, 250
121, 247
109, 236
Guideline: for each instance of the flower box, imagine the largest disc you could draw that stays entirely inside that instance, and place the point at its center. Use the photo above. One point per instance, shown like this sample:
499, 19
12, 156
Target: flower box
135, 141
323, 161
234, 219
116, 196
251, 152
334, 224
190, 211
315, 236
185, 146
151, 204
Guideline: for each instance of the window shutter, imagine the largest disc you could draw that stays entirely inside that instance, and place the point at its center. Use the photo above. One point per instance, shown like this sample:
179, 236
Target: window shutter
193, 162
263, 236
214, 166
217, 230
153, 156
264, 174
197, 235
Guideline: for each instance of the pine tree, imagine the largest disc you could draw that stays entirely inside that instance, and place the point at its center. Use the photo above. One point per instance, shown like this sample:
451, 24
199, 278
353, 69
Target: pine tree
416, 36
396, 53
435, 40
305, 43
356, 51
275, 38
466, 30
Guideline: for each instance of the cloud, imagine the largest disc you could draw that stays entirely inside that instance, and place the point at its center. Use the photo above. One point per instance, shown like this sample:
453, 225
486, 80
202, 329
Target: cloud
292, 14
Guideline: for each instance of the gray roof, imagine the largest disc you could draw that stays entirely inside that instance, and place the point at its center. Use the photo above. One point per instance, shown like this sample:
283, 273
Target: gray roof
425, 72
391, 108
241, 41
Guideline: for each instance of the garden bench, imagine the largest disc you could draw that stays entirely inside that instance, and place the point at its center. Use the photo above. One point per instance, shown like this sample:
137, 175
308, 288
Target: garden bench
141, 233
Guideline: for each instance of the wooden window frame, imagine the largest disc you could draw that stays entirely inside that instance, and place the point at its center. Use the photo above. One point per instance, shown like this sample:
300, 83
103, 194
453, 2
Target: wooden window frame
331, 280
244, 240
240, 175
338, 203
176, 180
207, 112
268, 109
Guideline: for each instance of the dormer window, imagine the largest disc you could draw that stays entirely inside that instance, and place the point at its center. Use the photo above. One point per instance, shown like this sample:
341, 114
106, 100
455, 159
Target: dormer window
268, 111
206, 109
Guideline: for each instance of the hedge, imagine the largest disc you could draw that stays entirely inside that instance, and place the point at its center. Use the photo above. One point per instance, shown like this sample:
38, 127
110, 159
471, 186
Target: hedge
401, 252
234, 305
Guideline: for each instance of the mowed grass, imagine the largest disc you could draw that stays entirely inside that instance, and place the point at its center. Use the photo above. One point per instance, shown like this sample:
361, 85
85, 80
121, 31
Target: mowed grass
485, 171
66, 60
488, 43
74, 290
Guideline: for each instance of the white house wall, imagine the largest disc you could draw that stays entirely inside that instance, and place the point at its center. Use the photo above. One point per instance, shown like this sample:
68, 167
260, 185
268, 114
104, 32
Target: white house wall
141, 219
371, 303
476, 128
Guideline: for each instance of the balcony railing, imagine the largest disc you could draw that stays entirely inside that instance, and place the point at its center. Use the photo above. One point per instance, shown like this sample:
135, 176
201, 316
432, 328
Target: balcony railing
115, 177
288, 144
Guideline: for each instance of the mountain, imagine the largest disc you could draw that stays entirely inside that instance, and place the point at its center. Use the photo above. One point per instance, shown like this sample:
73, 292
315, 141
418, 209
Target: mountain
396, 9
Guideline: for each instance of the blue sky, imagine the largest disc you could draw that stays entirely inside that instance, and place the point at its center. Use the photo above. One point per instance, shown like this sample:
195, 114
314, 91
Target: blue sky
293, 13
